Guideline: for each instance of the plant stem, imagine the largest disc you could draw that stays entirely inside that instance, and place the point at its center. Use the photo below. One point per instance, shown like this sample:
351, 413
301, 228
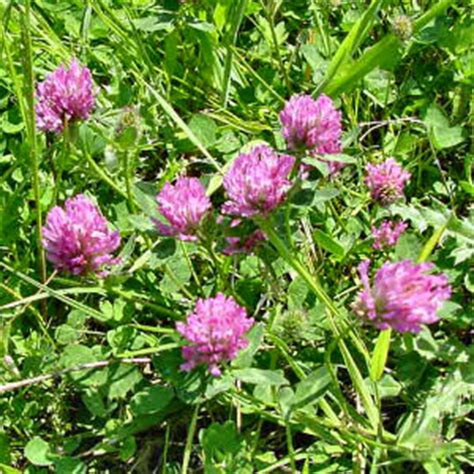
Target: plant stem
86, 366
237, 18
207, 244
149, 350
191, 267
165, 450
290, 447
189, 440
270, 14
371, 409
128, 181
102, 175
62, 159
30, 120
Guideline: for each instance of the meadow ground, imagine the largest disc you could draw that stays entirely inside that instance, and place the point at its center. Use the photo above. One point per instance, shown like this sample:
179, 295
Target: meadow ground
235, 236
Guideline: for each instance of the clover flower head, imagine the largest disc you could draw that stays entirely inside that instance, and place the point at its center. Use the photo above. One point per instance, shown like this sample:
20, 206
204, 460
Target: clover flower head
386, 181
184, 204
403, 296
312, 124
387, 234
215, 333
66, 95
78, 240
257, 182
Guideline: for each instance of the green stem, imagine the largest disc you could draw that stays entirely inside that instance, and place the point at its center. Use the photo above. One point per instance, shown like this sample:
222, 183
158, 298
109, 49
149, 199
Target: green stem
371, 409
207, 244
156, 329
137, 298
189, 440
270, 14
149, 350
290, 447
191, 267
165, 449
268, 228
30, 120
257, 76
36, 313
101, 174
128, 182
65, 148
237, 20
299, 372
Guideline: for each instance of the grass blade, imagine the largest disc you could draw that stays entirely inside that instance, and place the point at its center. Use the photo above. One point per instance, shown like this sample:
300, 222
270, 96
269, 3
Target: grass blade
56, 294
379, 357
351, 42
378, 54
236, 22
168, 109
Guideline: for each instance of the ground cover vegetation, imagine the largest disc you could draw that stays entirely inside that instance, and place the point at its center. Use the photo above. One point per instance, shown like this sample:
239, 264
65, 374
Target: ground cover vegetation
235, 236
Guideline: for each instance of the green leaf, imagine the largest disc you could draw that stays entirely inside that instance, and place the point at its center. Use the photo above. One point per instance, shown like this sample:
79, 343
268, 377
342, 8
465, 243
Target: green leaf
328, 243
312, 388
177, 275
204, 128
128, 448
431, 243
151, 400
260, 377
76, 354
325, 194
37, 451
447, 137
353, 39
297, 293
255, 337
94, 402
468, 187
65, 334
380, 354
202, 26
339, 158
389, 387
221, 439
69, 465
442, 135
5, 457
219, 385
150, 24
383, 54
407, 247
4, 469
122, 379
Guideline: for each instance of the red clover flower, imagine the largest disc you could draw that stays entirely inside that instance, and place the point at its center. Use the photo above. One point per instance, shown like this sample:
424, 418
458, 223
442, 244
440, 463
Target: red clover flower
215, 332
314, 125
402, 297
387, 234
77, 238
184, 204
66, 95
257, 182
386, 181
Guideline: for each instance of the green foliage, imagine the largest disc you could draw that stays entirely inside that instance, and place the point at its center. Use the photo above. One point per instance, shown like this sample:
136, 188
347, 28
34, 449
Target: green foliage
90, 377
